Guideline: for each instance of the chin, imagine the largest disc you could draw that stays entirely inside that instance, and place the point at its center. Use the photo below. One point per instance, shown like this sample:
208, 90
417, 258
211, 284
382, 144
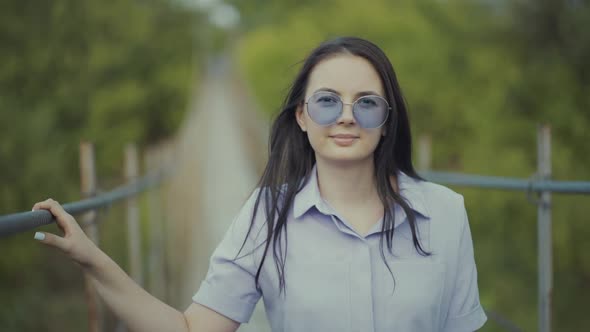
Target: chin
344, 157
333, 153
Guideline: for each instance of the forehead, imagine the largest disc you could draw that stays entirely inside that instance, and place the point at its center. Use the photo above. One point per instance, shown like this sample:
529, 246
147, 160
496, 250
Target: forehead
347, 74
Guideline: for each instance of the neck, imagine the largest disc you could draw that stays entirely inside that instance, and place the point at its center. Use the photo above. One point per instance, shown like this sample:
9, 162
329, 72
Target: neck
347, 183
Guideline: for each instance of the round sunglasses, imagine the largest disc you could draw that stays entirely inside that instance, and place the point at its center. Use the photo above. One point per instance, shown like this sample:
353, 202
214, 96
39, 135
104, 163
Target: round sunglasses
325, 108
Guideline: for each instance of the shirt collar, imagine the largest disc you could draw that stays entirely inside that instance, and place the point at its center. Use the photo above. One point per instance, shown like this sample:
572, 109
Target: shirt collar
309, 195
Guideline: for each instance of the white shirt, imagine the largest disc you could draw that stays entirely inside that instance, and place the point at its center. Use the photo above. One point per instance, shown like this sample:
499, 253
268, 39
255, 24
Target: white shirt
336, 279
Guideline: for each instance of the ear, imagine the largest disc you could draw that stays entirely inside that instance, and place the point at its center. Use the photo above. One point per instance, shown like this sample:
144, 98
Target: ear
300, 116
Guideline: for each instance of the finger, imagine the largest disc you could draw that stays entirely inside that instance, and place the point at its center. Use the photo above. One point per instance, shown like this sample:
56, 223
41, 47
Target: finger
37, 205
54, 207
65, 221
51, 240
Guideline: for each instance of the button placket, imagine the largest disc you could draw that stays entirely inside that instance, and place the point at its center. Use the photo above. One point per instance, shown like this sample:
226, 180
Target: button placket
362, 292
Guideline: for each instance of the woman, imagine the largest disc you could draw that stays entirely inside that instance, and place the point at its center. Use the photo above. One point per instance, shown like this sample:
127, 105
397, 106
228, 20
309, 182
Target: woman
341, 234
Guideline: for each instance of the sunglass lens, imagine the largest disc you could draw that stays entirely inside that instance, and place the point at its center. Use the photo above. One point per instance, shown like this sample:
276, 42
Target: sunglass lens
371, 111
324, 108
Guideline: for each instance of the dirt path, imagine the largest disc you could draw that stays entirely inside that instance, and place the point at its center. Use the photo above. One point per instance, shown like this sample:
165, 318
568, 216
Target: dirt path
214, 178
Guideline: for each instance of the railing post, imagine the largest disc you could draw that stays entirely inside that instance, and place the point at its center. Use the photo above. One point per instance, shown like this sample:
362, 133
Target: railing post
545, 264
156, 231
133, 231
169, 155
424, 153
88, 188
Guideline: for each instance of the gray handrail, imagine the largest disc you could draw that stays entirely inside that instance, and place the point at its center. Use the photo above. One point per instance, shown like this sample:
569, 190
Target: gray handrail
24, 221
507, 183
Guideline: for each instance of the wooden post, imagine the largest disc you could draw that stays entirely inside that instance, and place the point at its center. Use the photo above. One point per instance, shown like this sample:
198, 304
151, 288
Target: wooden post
424, 153
167, 153
545, 259
155, 260
133, 231
88, 188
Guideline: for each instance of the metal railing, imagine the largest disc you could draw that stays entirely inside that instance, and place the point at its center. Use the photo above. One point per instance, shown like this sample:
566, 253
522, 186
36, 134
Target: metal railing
532, 185
159, 170
24, 221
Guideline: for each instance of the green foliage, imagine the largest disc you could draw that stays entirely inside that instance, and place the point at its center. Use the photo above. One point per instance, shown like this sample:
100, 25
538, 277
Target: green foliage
478, 77
110, 72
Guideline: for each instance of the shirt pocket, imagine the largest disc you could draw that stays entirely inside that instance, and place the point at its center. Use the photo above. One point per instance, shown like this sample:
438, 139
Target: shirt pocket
317, 297
414, 303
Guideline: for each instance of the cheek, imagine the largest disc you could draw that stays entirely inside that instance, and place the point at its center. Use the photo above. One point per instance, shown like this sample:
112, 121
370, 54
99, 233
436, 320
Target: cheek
316, 136
371, 141
375, 141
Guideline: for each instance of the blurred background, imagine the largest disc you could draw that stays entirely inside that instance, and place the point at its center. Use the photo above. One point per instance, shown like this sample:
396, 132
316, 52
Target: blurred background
205, 77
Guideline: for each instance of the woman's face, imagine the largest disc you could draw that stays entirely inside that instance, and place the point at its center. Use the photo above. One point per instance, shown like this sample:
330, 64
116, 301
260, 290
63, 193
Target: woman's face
349, 77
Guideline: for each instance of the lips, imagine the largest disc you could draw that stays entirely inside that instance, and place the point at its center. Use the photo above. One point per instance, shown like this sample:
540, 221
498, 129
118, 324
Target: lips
344, 139
344, 136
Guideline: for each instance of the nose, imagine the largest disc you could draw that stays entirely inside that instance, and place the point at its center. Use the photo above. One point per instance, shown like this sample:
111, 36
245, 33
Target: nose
347, 116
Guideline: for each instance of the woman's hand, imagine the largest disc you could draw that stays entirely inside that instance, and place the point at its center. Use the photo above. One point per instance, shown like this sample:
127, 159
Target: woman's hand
74, 243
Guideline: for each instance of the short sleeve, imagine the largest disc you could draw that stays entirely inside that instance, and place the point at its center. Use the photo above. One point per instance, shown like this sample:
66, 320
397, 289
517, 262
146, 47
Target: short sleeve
465, 312
229, 287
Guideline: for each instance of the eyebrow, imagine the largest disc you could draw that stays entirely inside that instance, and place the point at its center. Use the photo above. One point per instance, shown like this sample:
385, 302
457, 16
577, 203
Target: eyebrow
359, 94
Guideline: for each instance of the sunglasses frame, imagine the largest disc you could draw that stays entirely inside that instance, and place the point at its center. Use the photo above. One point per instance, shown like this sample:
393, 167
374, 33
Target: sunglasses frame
342, 108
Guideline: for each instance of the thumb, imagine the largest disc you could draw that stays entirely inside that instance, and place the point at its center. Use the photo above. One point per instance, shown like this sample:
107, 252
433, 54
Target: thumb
51, 240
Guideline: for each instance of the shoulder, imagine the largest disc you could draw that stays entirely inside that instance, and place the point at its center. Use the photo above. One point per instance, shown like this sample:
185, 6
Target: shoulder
446, 207
448, 216
250, 217
253, 214
436, 194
